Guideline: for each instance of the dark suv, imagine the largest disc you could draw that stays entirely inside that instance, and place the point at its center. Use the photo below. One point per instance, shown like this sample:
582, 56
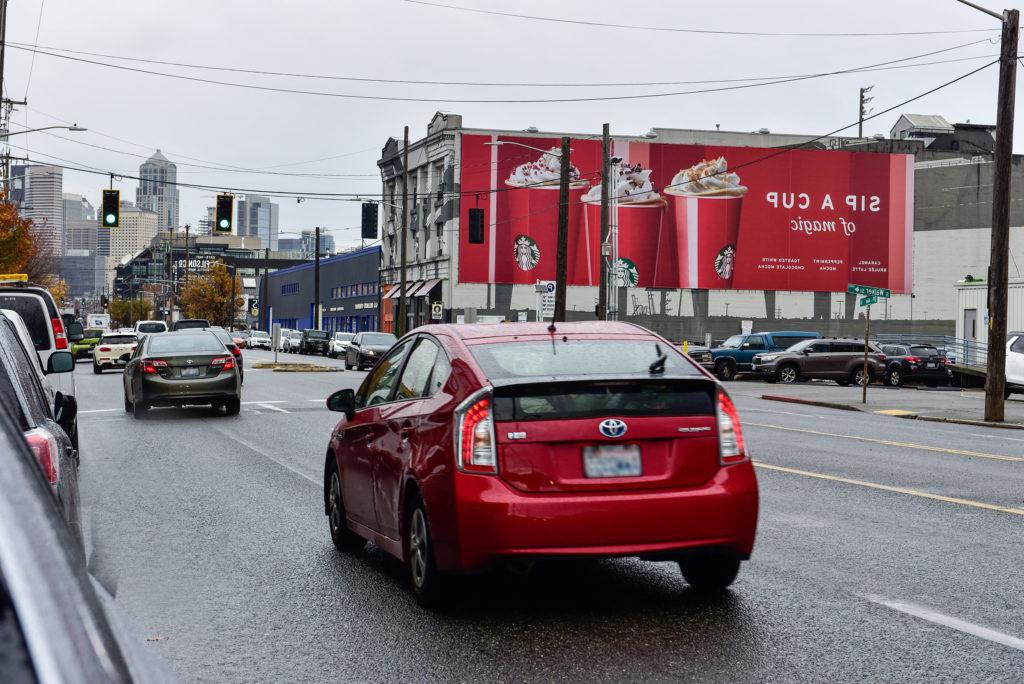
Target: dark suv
839, 359
914, 363
190, 323
314, 342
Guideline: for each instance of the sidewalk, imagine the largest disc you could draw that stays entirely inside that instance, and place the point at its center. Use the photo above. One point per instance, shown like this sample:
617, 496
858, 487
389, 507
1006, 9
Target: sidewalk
940, 404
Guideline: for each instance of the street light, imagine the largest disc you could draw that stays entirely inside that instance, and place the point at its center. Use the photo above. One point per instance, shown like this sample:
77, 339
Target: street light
74, 128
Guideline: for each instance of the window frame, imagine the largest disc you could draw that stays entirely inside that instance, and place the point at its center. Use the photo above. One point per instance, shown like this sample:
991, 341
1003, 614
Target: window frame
364, 389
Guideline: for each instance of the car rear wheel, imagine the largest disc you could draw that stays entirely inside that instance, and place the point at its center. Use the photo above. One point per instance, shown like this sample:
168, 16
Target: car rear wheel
424, 577
232, 406
858, 378
139, 410
127, 405
725, 370
894, 378
788, 374
345, 540
709, 573
96, 368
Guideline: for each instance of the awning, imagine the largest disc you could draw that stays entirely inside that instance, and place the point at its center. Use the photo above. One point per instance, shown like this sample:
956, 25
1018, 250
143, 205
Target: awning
409, 287
425, 288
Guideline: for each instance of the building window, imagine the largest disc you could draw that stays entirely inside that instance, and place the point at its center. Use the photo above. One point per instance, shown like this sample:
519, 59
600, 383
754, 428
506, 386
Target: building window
290, 288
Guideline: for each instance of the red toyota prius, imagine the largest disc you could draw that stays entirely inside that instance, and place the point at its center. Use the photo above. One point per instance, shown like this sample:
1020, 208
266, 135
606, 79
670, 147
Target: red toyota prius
470, 444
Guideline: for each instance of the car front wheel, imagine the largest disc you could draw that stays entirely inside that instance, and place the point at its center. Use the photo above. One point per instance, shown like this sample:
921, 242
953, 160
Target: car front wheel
788, 374
725, 370
710, 573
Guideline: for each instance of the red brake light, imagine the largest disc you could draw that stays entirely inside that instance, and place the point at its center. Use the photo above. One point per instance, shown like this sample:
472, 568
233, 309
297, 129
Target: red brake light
474, 439
235, 350
44, 448
223, 363
150, 367
104, 348
912, 359
731, 447
60, 340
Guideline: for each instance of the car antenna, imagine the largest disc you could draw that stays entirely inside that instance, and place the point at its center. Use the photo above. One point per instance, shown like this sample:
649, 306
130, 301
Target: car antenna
551, 328
658, 365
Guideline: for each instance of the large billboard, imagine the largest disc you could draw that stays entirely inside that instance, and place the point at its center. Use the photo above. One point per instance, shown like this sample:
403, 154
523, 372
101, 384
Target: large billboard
691, 216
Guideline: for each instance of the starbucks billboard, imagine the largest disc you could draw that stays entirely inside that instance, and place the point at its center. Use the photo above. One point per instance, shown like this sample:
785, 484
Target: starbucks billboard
691, 216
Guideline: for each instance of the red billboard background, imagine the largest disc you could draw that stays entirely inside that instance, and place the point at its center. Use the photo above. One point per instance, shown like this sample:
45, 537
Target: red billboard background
811, 220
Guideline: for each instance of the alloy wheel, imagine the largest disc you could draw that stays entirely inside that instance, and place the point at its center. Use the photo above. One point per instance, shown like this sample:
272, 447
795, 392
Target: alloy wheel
418, 547
335, 503
894, 378
787, 374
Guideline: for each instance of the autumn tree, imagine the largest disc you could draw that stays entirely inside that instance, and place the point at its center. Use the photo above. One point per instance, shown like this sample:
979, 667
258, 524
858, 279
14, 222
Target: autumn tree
17, 248
58, 288
124, 312
208, 295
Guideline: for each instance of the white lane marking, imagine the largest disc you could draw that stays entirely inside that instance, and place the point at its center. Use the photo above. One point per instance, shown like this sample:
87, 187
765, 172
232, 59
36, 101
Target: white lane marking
1012, 439
264, 454
268, 405
269, 401
953, 623
782, 413
101, 410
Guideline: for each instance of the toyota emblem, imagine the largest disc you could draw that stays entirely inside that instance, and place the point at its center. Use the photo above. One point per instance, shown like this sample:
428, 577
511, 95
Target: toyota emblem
612, 427
188, 361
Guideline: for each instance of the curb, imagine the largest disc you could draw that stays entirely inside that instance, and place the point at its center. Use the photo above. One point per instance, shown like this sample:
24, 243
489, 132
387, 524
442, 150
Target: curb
810, 402
297, 368
975, 423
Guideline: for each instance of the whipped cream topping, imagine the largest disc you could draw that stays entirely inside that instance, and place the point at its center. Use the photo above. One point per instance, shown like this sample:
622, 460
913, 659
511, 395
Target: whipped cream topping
544, 171
709, 177
632, 185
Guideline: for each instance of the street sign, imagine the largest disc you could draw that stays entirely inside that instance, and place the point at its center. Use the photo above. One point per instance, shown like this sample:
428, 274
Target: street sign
880, 292
436, 311
868, 301
546, 298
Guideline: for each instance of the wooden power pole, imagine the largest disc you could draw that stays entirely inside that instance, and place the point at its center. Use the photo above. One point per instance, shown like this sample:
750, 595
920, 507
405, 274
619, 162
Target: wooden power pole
316, 283
561, 257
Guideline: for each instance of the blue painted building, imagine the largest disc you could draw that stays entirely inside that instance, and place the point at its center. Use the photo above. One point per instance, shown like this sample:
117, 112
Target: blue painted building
349, 293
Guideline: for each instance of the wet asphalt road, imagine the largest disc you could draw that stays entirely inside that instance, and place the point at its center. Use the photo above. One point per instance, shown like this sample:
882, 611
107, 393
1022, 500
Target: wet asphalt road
896, 559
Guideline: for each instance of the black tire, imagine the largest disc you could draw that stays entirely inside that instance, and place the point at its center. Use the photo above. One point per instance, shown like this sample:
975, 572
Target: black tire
893, 377
770, 379
345, 540
857, 377
426, 581
96, 369
232, 406
710, 573
127, 405
725, 370
843, 383
788, 373
139, 410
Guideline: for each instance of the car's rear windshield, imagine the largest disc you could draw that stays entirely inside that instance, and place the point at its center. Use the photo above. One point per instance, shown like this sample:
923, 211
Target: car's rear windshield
317, 334
569, 400
92, 333
152, 327
571, 357
379, 338
166, 344
33, 311
924, 351
259, 333
119, 339
185, 325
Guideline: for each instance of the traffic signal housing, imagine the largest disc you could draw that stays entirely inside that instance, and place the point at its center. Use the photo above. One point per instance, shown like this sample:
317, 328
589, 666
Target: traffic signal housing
224, 216
111, 216
369, 225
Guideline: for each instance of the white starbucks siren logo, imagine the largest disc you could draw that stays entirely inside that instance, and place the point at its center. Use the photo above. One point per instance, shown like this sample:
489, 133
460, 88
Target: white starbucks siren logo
527, 253
626, 273
725, 262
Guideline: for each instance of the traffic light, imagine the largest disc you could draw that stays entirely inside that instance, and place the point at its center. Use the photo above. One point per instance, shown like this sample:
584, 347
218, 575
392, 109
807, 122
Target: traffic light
369, 220
476, 226
225, 213
104, 301
111, 208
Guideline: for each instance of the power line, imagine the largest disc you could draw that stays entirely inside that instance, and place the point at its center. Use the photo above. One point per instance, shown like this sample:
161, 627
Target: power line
32, 64
364, 79
604, 98
670, 29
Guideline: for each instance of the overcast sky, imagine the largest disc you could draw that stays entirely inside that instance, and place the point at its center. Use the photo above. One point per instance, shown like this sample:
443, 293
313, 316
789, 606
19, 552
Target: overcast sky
391, 39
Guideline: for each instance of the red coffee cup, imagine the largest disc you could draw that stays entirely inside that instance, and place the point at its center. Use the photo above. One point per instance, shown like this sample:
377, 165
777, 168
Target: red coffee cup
640, 234
533, 229
707, 230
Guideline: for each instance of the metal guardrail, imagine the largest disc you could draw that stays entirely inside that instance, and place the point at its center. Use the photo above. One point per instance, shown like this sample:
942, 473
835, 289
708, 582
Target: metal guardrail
957, 349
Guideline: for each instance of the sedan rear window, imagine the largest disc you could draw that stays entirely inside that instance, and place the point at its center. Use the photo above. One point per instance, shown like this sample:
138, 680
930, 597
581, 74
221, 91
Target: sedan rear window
152, 327
32, 310
316, 334
119, 339
166, 344
569, 400
576, 357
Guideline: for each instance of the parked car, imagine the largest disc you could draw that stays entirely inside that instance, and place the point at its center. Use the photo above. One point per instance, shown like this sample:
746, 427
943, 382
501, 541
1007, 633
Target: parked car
56, 622
472, 444
290, 342
1015, 363
240, 338
838, 359
314, 342
46, 418
339, 344
83, 347
186, 368
53, 396
366, 348
282, 338
190, 323
259, 340
736, 354
701, 355
236, 351
113, 351
37, 309
147, 327
913, 363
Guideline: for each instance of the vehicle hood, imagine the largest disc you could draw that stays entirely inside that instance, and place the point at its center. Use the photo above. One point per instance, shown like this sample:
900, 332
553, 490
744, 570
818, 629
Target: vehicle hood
376, 348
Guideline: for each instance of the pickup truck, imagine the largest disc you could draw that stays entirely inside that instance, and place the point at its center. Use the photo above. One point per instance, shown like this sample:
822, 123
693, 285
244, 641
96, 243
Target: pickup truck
735, 355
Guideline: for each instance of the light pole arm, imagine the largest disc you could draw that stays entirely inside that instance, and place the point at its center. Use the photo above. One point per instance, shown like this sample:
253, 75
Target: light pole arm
989, 12
75, 129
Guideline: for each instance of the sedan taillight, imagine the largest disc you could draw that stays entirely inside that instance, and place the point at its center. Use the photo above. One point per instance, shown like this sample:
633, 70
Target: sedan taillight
223, 363
104, 348
60, 340
234, 350
475, 450
911, 359
44, 448
731, 447
153, 367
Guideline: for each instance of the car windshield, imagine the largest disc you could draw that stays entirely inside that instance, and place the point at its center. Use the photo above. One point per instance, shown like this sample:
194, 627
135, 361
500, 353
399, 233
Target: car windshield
294, 334
31, 309
316, 334
343, 337
164, 344
261, 335
733, 342
575, 357
379, 339
93, 334
151, 327
119, 339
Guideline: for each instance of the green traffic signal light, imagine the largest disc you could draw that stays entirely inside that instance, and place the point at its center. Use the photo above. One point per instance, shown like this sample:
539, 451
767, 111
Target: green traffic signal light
111, 208
224, 211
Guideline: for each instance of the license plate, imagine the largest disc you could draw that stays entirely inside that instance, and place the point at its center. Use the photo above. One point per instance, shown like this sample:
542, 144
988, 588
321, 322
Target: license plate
930, 364
189, 372
612, 460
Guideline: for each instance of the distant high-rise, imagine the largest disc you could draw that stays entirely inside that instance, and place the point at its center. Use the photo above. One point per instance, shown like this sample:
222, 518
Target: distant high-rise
79, 223
37, 190
157, 191
308, 241
258, 216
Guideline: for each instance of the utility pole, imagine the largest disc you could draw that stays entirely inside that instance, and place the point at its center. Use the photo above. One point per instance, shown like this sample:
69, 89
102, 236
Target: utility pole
266, 288
3, 40
187, 228
603, 269
563, 232
400, 319
231, 306
862, 109
316, 284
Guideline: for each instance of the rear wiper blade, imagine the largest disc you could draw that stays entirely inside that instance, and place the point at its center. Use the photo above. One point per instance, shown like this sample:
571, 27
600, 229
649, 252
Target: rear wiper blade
658, 365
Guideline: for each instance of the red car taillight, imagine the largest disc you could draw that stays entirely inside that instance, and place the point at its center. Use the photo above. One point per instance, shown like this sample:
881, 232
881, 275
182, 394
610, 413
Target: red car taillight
152, 367
60, 340
475, 450
731, 447
235, 350
44, 448
223, 363
911, 359
104, 348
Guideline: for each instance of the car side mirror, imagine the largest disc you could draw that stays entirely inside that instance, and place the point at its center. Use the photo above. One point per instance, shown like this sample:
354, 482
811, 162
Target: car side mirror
343, 401
746, 345
75, 332
60, 362
806, 352
65, 408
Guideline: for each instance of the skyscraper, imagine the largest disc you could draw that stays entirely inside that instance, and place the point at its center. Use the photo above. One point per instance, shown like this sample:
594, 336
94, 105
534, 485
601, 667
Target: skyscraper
157, 190
79, 223
258, 216
37, 190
